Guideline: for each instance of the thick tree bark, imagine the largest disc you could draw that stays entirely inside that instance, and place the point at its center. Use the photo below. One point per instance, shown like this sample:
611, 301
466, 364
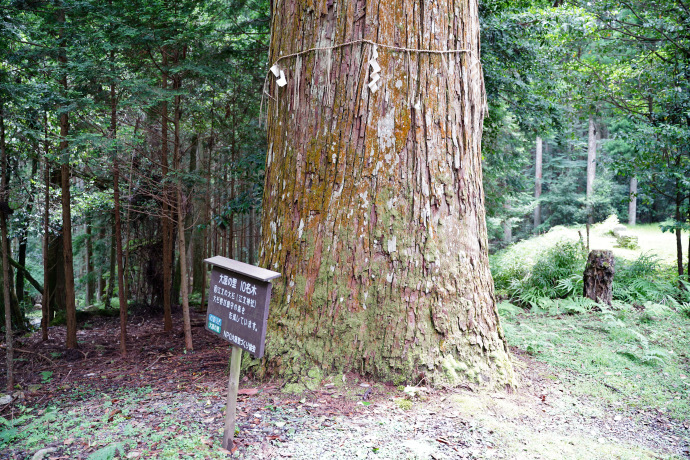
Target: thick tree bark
6, 277
632, 205
598, 276
373, 204
537, 182
591, 167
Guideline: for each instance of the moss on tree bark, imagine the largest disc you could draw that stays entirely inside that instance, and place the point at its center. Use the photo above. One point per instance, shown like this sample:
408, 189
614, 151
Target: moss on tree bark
373, 205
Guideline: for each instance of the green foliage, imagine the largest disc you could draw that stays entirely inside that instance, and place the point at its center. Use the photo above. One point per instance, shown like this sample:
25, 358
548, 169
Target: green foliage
46, 376
108, 452
506, 308
546, 275
20, 426
613, 355
556, 274
644, 280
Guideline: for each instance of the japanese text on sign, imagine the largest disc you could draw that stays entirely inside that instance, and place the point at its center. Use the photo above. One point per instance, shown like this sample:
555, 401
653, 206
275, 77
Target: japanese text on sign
241, 304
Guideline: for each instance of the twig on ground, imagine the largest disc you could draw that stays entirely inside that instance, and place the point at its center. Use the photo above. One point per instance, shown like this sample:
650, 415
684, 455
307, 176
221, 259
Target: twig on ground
154, 362
20, 350
612, 388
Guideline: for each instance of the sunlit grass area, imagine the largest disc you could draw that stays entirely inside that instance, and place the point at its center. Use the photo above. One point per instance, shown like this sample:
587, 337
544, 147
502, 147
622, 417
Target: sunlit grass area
629, 358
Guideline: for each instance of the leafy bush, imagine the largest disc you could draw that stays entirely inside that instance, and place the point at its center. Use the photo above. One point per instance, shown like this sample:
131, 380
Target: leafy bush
545, 275
556, 274
644, 280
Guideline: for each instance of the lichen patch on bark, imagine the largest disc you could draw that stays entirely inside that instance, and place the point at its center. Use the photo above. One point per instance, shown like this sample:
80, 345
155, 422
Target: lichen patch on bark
373, 209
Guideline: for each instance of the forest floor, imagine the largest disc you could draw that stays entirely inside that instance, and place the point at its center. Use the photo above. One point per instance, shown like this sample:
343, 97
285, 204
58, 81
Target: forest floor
161, 402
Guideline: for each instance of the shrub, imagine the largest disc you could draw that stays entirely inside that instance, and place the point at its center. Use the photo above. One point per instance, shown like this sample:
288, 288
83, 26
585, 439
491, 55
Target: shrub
557, 274
644, 280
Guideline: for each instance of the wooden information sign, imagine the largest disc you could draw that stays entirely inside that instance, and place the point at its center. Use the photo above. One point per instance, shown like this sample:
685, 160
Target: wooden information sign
237, 311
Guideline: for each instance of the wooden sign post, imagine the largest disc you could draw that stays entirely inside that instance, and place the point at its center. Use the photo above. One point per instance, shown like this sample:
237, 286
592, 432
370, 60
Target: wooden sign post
237, 311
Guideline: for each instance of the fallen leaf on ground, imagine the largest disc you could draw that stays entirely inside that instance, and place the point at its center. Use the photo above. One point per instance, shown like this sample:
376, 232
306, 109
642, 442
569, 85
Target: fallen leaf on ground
113, 414
248, 391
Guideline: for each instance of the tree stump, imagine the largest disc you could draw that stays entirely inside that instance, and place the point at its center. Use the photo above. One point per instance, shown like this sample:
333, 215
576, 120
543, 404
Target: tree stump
598, 276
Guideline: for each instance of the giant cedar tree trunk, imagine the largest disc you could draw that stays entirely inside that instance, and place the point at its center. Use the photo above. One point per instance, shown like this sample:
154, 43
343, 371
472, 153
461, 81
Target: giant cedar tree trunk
373, 204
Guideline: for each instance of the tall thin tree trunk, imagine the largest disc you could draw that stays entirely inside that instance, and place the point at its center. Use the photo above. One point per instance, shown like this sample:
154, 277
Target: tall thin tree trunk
6, 280
507, 226
591, 167
537, 182
45, 301
374, 209
166, 216
22, 237
68, 258
679, 241
120, 263
184, 290
632, 205
90, 281
128, 219
112, 268
118, 220
250, 238
101, 275
207, 209
184, 284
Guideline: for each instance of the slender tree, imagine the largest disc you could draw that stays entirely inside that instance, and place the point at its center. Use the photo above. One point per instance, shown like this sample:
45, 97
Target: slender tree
45, 299
591, 166
537, 182
632, 205
68, 258
6, 277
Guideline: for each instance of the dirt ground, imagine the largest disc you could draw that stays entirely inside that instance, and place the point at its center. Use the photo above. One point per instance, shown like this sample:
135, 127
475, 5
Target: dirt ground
345, 416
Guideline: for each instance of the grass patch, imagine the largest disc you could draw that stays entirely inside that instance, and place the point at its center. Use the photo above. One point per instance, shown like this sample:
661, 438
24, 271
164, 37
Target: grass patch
103, 426
618, 355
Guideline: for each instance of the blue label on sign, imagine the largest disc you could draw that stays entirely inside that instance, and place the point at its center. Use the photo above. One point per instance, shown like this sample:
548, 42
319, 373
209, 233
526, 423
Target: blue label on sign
214, 323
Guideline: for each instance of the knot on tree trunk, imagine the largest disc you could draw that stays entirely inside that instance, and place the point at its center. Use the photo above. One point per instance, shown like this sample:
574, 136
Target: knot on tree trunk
598, 276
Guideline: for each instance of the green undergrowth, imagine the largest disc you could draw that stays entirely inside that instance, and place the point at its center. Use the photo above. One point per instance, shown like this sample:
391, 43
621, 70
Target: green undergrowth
101, 426
544, 274
635, 352
637, 357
